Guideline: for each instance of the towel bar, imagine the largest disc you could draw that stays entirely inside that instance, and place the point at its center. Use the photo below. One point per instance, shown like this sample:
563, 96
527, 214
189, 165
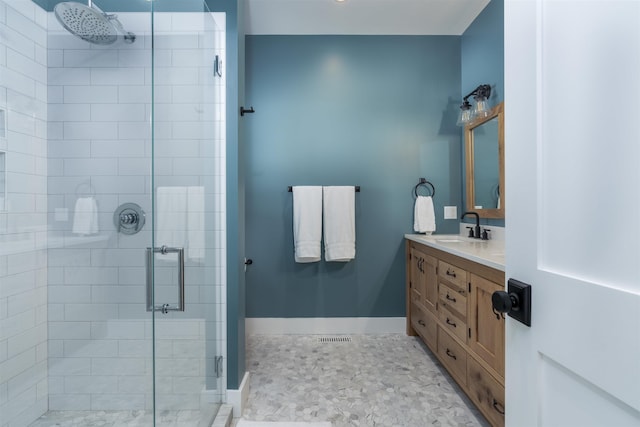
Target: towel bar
290, 189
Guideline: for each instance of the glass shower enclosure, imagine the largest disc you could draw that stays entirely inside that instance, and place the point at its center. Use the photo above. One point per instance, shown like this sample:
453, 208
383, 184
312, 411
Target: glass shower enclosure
112, 213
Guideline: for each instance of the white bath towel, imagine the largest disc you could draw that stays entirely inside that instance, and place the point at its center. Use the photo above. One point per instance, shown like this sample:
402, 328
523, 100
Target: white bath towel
424, 218
171, 228
85, 216
195, 223
339, 223
307, 223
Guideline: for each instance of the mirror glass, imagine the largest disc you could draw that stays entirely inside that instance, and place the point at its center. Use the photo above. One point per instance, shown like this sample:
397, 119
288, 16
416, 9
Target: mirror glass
484, 151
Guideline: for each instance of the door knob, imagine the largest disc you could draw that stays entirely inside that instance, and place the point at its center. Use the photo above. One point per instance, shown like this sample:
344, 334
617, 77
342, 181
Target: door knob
516, 302
504, 302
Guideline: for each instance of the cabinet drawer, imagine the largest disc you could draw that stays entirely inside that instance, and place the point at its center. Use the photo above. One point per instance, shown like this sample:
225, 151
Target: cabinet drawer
453, 274
453, 356
453, 324
453, 300
425, 325
486, 393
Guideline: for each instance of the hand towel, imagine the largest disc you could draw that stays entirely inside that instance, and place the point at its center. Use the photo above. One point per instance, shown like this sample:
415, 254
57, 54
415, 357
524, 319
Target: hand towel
85, 217
339, 214
195, 223
171, 229
424, 218
307, 223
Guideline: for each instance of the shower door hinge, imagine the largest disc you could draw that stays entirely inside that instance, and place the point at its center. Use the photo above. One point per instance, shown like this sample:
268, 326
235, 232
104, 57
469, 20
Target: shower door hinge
217, 67
217, 361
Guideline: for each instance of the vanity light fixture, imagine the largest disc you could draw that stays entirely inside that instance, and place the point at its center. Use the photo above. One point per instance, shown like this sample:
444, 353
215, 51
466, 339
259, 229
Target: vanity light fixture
482, 108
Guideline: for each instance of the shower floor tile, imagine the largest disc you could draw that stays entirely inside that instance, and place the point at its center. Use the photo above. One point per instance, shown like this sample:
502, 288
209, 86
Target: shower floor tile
375, 380
117, 419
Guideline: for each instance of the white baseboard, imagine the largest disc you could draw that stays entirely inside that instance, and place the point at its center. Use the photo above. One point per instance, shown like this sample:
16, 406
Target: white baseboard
238, 398
324, 325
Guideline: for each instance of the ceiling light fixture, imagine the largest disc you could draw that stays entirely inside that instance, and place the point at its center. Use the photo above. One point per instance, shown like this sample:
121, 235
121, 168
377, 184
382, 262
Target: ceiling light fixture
468, 113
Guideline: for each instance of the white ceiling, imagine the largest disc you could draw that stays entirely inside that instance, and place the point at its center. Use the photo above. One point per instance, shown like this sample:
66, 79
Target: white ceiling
367, 17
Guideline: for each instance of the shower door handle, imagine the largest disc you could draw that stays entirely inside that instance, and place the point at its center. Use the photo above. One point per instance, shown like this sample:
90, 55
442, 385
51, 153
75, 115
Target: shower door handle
165, 308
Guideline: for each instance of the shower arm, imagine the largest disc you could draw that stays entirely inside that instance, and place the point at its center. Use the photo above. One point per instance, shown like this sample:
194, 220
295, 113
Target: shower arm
129, 37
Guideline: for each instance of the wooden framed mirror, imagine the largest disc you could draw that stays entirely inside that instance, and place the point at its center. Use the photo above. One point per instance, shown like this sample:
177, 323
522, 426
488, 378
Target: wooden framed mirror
484, 163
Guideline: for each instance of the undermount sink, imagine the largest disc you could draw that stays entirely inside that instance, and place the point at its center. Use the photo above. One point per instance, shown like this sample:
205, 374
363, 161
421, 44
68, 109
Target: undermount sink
451, 240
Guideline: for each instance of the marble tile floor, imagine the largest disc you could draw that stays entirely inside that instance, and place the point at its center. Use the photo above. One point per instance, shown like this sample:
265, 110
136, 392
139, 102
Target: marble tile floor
118, 419
373, 381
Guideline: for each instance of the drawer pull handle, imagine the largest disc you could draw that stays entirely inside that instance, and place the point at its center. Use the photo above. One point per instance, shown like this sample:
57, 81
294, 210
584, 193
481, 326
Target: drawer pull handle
450, 299
421, 322
449, 273
498, 407
451, 355
449, 322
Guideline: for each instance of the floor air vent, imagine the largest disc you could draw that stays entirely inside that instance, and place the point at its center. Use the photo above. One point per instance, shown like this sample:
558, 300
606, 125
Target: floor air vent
340, 338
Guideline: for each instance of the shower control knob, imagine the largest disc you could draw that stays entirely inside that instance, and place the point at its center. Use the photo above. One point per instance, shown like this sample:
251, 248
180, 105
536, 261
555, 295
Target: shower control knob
129, 218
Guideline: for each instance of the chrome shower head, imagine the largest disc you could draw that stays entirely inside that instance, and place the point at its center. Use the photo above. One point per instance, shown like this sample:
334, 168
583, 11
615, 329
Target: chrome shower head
90, 24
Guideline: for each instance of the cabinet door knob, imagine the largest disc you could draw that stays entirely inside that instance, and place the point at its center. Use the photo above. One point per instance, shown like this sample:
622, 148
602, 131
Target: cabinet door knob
498, 407
450, 299
451, 355
449, 322
421, 322
449, 273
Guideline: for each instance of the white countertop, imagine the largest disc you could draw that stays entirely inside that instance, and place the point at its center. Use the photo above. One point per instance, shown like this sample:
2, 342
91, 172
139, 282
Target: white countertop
486, 252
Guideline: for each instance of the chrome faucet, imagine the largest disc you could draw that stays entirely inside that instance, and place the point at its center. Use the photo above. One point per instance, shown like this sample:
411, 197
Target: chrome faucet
475, 233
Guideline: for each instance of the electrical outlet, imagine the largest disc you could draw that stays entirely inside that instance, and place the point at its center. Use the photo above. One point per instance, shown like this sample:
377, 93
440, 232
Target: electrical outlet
450, 212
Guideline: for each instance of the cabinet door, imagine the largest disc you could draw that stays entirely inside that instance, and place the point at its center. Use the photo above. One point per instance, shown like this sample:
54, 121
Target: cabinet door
417, 277
430, 283
486, 337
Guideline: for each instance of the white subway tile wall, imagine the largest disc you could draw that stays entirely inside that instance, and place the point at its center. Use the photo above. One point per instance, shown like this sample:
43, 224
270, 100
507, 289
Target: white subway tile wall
74, 331
23, 225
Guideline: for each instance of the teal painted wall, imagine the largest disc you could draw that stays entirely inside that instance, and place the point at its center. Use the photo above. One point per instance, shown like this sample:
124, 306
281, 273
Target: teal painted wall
374, 111
482, 61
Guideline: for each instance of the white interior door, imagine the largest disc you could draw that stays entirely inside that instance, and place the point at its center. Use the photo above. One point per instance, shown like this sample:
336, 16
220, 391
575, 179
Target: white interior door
572, 90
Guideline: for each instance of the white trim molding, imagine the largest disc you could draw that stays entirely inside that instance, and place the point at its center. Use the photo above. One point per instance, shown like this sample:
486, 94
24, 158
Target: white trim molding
324, 325
238, 398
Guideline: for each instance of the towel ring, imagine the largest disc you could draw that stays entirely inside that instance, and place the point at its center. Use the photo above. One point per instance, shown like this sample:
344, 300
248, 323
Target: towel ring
85, 189
423, 183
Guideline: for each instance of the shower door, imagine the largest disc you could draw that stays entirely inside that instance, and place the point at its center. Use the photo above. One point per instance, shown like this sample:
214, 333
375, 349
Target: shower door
188, 239
135, 240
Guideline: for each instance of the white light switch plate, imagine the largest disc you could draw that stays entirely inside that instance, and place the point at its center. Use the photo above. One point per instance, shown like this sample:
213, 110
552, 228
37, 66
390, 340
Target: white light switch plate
450, 212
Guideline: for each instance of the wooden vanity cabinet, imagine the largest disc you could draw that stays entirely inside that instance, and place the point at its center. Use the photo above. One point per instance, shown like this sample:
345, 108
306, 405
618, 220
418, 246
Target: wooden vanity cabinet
449, 307
422, 296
